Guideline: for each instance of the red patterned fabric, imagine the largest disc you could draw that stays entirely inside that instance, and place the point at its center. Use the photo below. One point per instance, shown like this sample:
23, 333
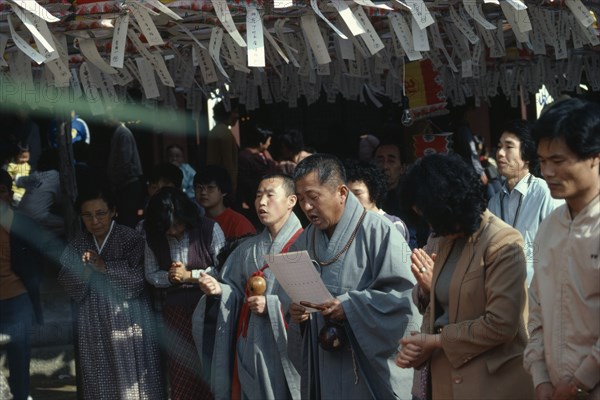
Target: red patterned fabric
184, 368
431, 144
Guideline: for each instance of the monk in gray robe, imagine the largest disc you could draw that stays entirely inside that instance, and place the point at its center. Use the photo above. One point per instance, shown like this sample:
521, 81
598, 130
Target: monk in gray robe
257, 366
365, 265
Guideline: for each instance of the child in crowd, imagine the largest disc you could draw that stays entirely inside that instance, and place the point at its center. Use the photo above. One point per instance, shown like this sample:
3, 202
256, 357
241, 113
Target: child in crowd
18, 168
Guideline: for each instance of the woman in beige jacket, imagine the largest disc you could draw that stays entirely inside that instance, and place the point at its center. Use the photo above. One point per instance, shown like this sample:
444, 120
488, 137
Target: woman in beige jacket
474, 293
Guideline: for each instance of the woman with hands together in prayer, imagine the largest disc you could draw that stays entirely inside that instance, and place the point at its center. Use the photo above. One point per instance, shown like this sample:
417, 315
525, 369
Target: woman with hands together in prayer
473, 291
181, 246
103, 271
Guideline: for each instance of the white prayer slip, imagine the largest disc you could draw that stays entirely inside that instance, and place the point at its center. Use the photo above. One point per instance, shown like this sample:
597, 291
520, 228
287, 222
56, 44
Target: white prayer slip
254, 37
119, 41
146, 25
419, 36
580, 12
90, 89
463, 26
404, 35
370, 37
473, 10
35, 8
90, 52
163, 8
315, 7
299, 278
34, 23
352, 22
214, 48
224, 16
147, 78
23, 45
420, 13
207, 67
310, 28
271, 40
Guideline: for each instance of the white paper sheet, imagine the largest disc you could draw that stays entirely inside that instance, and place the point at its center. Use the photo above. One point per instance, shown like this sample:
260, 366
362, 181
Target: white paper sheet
298, 276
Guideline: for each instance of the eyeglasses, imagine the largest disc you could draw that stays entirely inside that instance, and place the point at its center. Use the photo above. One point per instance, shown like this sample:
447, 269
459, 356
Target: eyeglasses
207, 188
98, 215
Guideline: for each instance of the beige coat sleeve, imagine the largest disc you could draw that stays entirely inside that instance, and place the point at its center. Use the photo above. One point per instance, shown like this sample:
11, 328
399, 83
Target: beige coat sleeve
505, 300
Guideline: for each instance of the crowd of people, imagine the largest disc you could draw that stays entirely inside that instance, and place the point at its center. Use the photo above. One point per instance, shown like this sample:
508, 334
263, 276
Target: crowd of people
439, 288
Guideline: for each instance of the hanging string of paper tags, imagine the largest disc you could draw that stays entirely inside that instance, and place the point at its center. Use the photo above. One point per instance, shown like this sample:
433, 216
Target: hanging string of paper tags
451, 50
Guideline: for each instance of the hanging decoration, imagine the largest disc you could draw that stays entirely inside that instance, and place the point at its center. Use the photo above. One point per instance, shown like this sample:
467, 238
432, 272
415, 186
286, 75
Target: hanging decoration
282, 50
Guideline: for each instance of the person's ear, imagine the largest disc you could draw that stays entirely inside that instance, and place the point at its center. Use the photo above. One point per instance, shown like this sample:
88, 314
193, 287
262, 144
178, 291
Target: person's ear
343, 192
595, 160
292, 200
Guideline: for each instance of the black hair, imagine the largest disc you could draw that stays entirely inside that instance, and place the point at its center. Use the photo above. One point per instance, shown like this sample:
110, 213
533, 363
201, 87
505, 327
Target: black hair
167, 206
447, 192
389, 142
288, 182
373, 177
220, 114
255, 136
292, 139
287, 144
168, 172
174, 146
95, 193
330, 170
216, 174
230, 245
575, 121
522, 130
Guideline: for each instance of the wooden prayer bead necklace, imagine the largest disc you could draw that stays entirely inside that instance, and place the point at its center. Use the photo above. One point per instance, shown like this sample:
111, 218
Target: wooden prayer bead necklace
346, 247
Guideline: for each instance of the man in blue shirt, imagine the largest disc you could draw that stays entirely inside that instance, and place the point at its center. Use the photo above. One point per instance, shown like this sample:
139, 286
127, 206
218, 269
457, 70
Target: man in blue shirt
524, 200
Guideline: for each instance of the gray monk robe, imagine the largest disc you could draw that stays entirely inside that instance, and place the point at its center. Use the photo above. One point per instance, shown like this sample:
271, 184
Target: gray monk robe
264, 368
373, 281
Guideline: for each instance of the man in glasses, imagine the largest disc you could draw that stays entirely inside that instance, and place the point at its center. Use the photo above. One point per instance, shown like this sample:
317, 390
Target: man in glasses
212, 186
365, 263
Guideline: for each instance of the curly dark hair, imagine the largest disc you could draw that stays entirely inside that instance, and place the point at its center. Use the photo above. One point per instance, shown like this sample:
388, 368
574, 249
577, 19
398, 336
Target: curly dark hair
371, 176
446, 192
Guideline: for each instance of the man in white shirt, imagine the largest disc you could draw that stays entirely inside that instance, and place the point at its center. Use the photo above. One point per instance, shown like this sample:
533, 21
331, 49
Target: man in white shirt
563, 353
524, 200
